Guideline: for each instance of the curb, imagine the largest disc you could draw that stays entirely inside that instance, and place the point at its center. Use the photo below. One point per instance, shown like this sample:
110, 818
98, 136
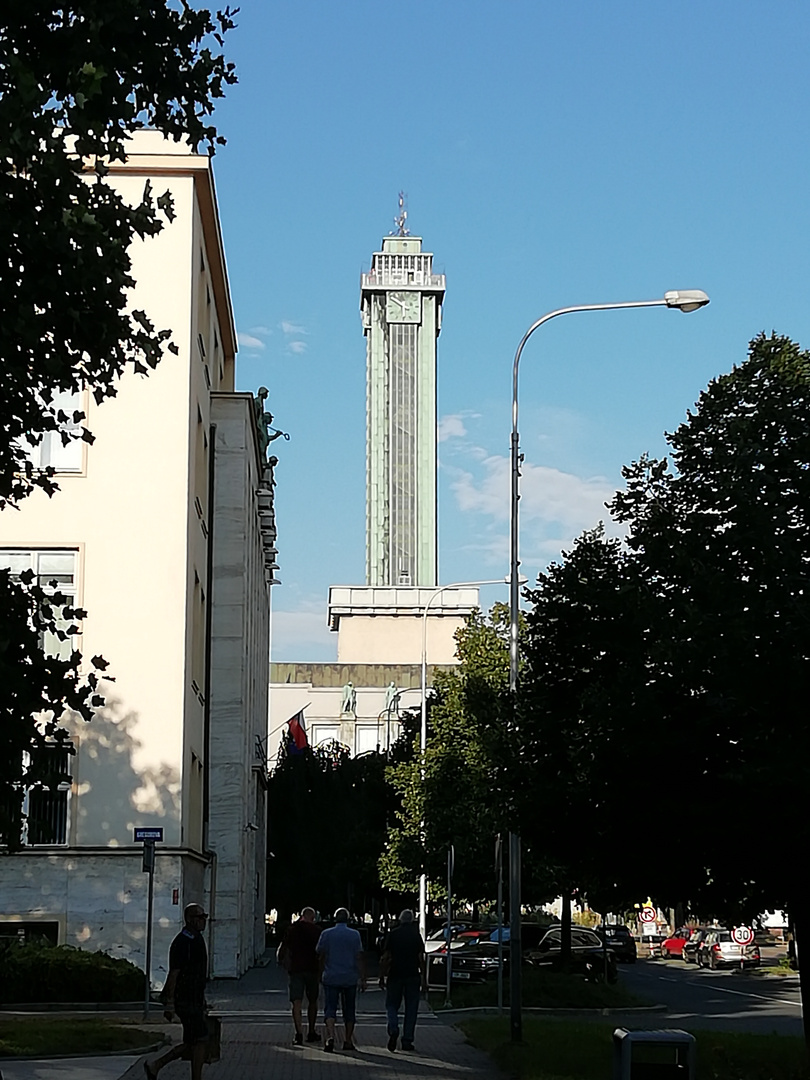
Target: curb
38, 1008
487, 1010
135, 1051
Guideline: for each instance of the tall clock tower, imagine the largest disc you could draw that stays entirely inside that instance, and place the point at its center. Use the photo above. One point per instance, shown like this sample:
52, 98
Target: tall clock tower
401, 305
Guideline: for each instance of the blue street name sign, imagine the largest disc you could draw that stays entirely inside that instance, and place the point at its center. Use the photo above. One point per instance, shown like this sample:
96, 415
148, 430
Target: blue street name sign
145, 836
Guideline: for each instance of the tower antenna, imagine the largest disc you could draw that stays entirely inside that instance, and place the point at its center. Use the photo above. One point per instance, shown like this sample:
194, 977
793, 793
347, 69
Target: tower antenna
401, 218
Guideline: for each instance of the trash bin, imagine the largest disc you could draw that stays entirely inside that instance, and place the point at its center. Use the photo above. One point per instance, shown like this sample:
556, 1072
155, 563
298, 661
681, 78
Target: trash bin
653, 1055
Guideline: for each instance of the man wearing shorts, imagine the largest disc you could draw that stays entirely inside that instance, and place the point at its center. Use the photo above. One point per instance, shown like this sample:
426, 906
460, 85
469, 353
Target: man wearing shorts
342, 965
297, 954
184, 994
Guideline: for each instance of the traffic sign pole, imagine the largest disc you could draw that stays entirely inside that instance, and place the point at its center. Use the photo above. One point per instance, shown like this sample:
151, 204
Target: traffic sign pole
742, 936
148, 837
150, 869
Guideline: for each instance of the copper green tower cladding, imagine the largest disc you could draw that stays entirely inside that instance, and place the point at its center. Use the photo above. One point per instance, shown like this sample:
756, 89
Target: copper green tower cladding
401, 302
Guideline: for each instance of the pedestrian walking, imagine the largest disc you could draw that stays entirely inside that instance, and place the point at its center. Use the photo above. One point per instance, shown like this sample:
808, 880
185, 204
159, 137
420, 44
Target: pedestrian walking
298, 956
342, 966
403, 973
184, 994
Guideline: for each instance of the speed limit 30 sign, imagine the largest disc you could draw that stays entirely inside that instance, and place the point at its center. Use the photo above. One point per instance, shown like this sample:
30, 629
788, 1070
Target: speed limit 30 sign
742, 935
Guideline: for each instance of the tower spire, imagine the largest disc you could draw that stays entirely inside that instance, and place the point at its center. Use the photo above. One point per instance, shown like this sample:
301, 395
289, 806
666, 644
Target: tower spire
401, 218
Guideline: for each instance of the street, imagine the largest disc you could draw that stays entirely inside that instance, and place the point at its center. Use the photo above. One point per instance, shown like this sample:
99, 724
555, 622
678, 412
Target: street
723, 1000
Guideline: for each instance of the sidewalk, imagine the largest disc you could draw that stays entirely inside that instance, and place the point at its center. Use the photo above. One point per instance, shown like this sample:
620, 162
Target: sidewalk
257, 1044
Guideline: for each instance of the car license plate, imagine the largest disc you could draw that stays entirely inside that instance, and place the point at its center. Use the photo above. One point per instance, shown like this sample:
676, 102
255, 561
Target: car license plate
461, 974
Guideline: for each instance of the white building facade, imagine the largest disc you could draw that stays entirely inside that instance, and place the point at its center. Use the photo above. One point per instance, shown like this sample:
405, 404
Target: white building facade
161, 532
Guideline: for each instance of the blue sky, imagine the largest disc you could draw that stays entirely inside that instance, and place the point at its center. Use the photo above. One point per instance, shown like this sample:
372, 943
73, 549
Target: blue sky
552, 154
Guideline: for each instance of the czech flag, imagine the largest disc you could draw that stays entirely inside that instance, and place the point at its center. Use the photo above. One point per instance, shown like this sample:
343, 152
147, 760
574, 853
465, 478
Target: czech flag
298, 733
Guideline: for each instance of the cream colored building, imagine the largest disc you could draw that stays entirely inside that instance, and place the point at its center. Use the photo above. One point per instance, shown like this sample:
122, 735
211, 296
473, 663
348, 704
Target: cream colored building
163, 530
380, 636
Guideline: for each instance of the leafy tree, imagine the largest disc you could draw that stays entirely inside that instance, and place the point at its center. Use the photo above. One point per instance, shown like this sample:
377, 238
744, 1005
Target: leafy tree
727, 539
75, 81
583, 703
34, 685
327, 818
466, 797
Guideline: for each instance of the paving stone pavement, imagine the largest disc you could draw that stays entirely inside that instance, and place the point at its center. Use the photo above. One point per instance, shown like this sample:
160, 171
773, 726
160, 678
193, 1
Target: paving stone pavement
257, 1041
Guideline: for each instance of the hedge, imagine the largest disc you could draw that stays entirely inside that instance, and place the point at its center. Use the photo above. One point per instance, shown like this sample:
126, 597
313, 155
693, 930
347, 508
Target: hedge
61, 973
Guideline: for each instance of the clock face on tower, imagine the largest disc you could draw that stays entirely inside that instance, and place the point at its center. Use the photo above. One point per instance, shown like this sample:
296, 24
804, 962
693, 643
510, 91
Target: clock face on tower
404, 307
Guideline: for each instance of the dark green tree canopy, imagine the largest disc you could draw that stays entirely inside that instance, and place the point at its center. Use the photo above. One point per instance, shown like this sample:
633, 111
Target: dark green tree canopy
75, 81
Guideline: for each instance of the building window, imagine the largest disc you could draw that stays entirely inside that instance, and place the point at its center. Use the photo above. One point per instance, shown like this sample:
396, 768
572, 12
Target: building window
323, 733
367, 738
46, 796
54, 571
46, 806
52, 451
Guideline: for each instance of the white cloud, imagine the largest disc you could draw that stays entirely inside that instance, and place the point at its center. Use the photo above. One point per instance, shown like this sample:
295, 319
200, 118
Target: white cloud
291, 328
555, 507
248, 341
451, 427
297, 346
303, 634
260, 331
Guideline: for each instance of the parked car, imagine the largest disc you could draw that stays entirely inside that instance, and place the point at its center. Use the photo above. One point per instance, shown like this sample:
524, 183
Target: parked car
719, 950
472, 963
589, 954
692, 944
672, 946
438, 939
620, 941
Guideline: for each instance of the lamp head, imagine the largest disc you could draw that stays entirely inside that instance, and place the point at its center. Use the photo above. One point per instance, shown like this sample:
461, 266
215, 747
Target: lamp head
686, 299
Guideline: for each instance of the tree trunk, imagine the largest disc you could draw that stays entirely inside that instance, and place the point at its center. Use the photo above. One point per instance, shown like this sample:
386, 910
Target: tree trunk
800, 914
565, 929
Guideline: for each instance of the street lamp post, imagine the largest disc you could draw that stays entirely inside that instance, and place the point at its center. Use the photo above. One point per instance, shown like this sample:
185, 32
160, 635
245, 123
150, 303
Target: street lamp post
685, 300
423, 728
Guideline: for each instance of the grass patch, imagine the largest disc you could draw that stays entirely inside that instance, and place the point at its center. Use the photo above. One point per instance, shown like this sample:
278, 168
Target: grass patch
44, 1037
543, 990
570, 1050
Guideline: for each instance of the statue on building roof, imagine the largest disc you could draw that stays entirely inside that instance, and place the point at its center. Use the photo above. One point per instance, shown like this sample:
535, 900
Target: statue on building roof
349, 701
392, 696
267, 434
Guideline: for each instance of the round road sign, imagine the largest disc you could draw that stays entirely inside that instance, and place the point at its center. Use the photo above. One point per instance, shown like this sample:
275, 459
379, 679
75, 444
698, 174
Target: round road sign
742, 935
647, 914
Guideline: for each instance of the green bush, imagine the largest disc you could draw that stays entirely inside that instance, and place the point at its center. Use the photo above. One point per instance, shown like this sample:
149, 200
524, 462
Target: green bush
48, 973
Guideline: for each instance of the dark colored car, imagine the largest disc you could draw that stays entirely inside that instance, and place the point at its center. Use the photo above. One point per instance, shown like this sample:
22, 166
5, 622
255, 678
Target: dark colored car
589, 955
476, 962
620, 942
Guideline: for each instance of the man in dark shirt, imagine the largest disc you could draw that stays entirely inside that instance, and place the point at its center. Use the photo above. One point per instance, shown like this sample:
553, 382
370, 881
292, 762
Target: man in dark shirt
403, 965
184, 994
297, 954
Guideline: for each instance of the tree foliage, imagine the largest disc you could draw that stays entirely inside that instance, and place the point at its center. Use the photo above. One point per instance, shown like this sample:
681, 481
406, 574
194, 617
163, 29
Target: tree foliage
76, 81
327, 818
467, 797
36, 689
666, 683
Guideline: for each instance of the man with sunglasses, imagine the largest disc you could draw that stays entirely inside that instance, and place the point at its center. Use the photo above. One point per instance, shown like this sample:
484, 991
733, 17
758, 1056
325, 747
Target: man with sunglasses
184, 994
